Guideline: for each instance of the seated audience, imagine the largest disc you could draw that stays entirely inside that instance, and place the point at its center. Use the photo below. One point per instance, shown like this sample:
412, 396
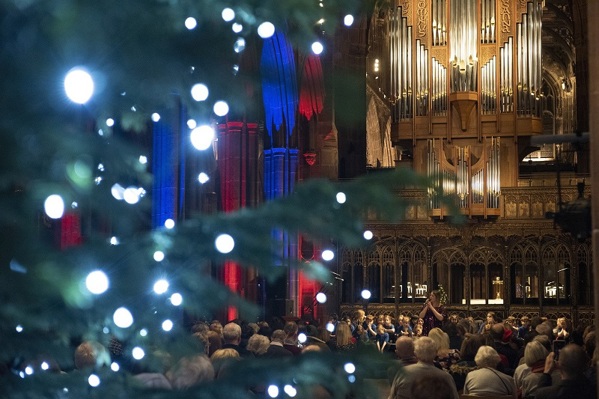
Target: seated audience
460, 370
258, 344
487, 380
534, 357
445, 356
189, 371
276, 347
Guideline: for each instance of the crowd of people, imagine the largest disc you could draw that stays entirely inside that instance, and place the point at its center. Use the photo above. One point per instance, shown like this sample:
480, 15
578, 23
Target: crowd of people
430, 355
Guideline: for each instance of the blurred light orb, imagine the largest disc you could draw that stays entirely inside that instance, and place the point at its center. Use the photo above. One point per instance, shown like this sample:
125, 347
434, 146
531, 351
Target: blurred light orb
368, 235
321, 297
228, 14
221, 108
29, 370
351, 378
93, 380
19, 328
266, 30
167, 325
54, 206
97, 282
366, 294
317, 48
237, 27
143, 332
349, 368
143, 159
199, 92
114, 366
122, 318
301, 337
203, 178
158, 256
191, 23
348, 20
117, 191
155, 117
191, 123
114, 240
176, 299
273, 391
290, 391
169, 223
202, 137
79, 85
161, 286
45, 366
341, 197
110, 122
328, 255
224, 243
239, 45
138, 353
330, 327
106, 330
131, 195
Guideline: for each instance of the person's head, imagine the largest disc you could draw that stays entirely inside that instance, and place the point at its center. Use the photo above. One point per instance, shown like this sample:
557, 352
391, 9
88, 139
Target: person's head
258, 344
534, 352
471, 345
425, 349
359, 315
543, 340
278, 336
434, 297
232, 333
545, 328
490, 317
90, 354
291, 329
453, 318
343, 334
573, 361
189, 371
214, 342
404, 347
323, 334
497, 330
525, 321
589, 343
487, 357
564, 323
430, 386
388, 319
224, 353
216, 326
440, 338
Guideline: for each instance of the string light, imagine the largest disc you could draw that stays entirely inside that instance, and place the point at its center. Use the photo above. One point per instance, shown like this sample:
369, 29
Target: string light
161, 286
341, 198
169, 223
54, 206
349, 368
237, 27
202, 137
203, 178
155, 117
224, 243
138, 353
328, 255
167, 325
199, 92
317, 48
368, 235
321, 297
93, 380
290, 391
110, 122
221, 108
191, 23
176, 299
122, 318
273, 391
348, 20
97, 282
228, 14
266, 30
78, 85
158, 256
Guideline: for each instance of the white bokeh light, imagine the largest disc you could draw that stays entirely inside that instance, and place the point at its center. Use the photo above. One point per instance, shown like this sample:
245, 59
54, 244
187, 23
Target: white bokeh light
224, 243
131, 195
122, 318
228, 14
169, 223
117, 191
321, 297
29, 370
114, 366
202, 137
366, 294
143, 332
341, 197
45, 366
54, 206
97, 282
266, 30
273, 391
19, 328
317, 48
143, 159
110, 122
203, 178
167, 325
349, 368
138, 353
237, 27
93, 380
221, 108
155, 117
191, 23
239, 45
348, 20
191, 123
328, 255
301, 337
79, 85
161, 286
290, 391
114, 240
176, 299
199, 92
330, 327
368, 235
158, 256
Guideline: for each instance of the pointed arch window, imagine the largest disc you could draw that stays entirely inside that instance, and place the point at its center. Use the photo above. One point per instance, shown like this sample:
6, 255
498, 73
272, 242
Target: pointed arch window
556, 274
524, 266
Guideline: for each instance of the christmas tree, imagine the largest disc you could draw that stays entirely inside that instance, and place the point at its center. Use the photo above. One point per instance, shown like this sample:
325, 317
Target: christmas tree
82, 81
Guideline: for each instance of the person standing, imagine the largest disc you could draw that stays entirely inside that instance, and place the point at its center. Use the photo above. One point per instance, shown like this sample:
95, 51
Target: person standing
433, 313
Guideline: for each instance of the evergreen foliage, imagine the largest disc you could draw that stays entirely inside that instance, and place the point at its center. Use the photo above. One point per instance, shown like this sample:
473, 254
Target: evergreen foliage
140, 53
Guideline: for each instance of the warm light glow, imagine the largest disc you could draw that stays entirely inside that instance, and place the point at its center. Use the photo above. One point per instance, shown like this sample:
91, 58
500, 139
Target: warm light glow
266, 30
122, 318
79, 85
221, 108
54, 206
202, 137
317, 48
328, 255
199, 92
224, 243
161, 286
97, 282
